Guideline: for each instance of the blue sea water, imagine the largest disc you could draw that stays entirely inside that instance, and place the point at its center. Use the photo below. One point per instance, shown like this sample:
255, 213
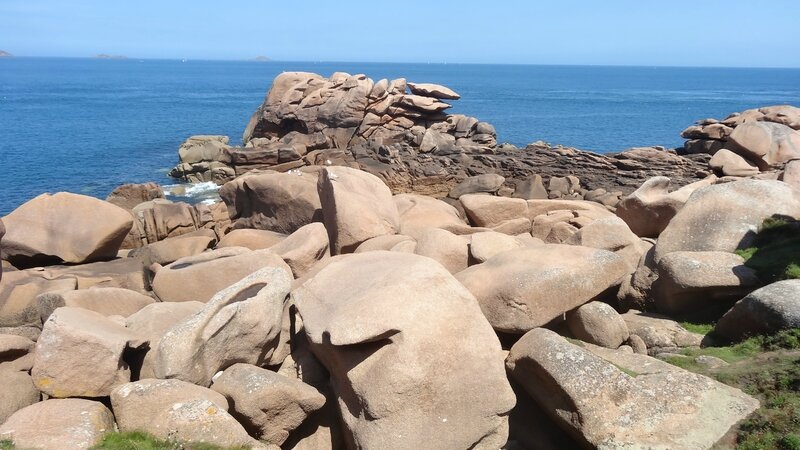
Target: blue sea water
88, 125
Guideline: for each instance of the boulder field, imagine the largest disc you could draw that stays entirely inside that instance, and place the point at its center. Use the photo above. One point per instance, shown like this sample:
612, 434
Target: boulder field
376, 277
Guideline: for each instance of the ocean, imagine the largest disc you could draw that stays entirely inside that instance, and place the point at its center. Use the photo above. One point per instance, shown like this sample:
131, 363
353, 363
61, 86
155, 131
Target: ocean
88, 125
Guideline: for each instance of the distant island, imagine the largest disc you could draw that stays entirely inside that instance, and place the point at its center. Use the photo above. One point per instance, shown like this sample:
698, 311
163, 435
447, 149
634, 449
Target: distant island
4, 54
262, 58
105, 56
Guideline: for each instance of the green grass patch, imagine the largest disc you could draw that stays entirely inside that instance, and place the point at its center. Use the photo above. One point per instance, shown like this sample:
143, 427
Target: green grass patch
699, 328
5, 444
775, 251
768, 368
138, 440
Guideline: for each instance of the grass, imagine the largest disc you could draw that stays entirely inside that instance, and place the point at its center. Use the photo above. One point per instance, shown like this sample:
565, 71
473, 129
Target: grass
775, 251
6, 445
768, 368
699, 328
137, 440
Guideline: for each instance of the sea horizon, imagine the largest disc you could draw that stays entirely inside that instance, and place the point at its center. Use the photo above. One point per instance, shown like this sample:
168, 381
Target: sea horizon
96, 125
114, 57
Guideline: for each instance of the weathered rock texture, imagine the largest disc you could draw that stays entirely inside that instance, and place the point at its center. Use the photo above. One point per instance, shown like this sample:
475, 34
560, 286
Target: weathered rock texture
522, 289
382, 323
59, 424
82, 354
650, 405
241, 323
270, 405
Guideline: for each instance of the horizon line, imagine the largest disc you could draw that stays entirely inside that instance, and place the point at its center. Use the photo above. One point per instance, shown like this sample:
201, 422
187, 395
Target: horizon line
119, 58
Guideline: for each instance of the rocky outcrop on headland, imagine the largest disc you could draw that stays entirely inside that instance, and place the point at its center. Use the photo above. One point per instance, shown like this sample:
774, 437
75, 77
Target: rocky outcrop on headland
399, 132
746, 143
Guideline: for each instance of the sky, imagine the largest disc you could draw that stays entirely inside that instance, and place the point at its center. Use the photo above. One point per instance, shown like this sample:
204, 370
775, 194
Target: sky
729, 33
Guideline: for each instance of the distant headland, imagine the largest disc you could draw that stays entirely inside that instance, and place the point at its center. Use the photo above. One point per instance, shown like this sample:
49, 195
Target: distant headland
4, 54
106, 56
262, 58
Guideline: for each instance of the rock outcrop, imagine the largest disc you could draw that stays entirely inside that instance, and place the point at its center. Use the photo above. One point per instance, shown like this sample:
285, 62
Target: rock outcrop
58, 424
241, 323
650, 405
762, 139
765, 311
400, 378
410, 143
66, 228
522, 289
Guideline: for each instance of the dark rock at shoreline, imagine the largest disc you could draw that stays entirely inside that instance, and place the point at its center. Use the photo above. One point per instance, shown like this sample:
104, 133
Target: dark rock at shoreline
407, 141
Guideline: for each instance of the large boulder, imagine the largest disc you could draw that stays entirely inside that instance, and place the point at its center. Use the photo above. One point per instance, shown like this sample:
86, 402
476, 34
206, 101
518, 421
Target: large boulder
768, 310
127, 196
281, 202
106, 301
160, 219
488, 183
420, 212
268, 404
598, 323
522, 289
612, 234
725, 217
690, 282
556, 221
125, 273
241, 323
649, 209
18, 293
252, 239
727, 163
304, 248
489, 211
64, 227
136, 405
202, 148
765, 143
172, 249
199, 277
201, 420
16, 392
651, 404
356, 206
486, 244
660, 333
433, 90
59, 424
81, 353
153, 321
444, 247
401, 379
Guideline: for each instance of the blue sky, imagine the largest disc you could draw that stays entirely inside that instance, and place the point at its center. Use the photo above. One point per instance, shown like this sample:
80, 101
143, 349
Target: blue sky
614, 32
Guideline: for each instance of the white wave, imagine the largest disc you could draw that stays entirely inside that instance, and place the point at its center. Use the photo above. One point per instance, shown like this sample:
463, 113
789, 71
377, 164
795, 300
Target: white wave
191, 189
207, 192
